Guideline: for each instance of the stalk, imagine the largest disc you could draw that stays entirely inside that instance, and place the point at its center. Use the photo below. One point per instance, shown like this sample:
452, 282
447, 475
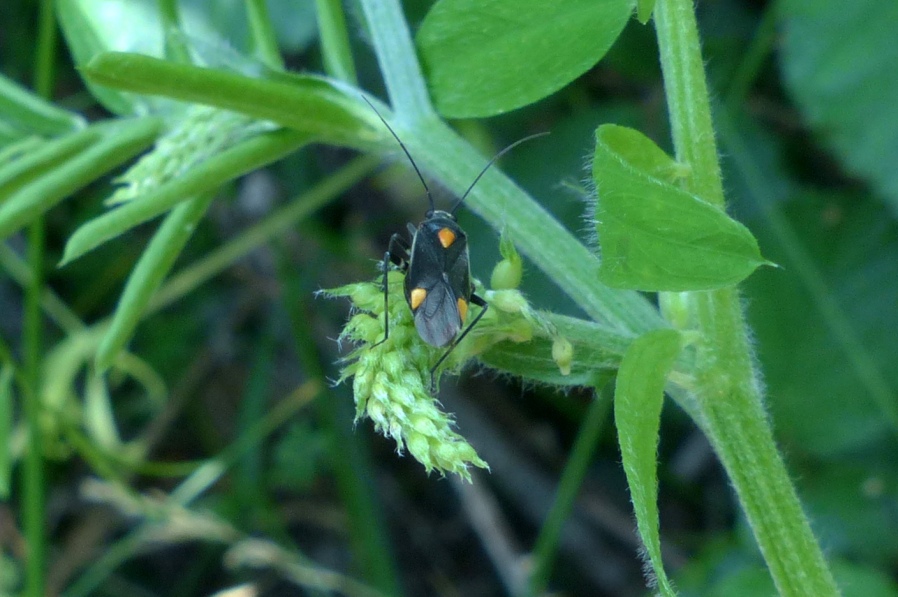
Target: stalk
727, 391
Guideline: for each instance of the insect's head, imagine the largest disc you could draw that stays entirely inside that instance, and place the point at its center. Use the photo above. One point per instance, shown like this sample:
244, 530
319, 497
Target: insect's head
439, 214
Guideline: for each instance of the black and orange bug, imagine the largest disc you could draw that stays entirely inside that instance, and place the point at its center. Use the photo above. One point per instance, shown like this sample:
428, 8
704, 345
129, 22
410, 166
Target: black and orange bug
438, 286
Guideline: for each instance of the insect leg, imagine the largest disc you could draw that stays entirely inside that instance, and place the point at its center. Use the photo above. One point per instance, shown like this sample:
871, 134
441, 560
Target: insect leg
397, 254
483, 307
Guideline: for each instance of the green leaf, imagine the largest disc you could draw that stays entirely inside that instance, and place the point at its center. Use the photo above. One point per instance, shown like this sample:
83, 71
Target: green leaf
838, 61
99, 419
644, 10
120, 25
638, 397
485, 57
122, 141
147, 275
33, 113
655, 236
205, 177
305, 103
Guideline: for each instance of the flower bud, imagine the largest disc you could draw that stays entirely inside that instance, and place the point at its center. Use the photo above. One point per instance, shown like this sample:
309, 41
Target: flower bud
563, 354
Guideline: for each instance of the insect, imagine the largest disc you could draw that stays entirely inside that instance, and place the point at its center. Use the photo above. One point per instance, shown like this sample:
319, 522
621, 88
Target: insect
438, 287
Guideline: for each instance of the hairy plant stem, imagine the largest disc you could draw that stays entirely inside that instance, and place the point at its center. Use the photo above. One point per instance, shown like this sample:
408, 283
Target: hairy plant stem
728, 396
441, 152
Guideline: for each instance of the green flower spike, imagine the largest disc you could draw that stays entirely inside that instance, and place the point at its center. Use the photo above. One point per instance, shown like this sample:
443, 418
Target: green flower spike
202, 132
391, 379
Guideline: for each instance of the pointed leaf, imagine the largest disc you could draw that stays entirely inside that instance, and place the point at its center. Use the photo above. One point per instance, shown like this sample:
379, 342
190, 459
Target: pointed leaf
99, 419
310, 104
485, 57
147, 275
644, 10
33, 113
122, 141
638, 397
37, 159
206, 177
654, 236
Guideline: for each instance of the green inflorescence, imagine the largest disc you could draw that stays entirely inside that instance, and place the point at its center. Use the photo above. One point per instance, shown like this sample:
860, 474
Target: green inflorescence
391, 378
201, 133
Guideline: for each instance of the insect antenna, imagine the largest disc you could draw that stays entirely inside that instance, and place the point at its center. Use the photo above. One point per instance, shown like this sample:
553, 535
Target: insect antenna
407, 154
490, 163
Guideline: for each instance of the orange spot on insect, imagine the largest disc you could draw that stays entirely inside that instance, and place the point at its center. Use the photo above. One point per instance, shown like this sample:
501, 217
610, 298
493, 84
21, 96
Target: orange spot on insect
447, 237
463, 309
417, 297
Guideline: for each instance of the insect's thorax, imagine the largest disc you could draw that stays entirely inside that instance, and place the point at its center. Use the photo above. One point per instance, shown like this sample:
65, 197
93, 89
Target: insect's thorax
439, 247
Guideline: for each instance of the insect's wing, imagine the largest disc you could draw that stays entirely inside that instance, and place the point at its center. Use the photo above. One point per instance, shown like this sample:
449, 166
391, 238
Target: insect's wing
437, 318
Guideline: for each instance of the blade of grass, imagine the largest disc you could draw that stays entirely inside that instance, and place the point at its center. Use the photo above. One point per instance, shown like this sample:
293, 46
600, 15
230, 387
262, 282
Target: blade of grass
273, 225
85, 38
129, 138
262, 36
6, 426
335, 48
193, 486
147, 275
13, 149
33, 113
204, 178
34, 484
55, 308
546, 545
208, 474
44, 157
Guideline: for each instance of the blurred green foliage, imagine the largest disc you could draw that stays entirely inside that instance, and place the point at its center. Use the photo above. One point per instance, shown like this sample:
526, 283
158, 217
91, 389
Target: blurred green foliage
215, 438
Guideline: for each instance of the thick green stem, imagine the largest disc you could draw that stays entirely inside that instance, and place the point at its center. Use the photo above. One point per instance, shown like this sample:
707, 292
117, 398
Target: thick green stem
726, 388
398, 60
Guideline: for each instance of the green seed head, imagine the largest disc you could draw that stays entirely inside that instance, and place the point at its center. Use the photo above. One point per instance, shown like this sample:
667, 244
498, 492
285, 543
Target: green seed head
391, 379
